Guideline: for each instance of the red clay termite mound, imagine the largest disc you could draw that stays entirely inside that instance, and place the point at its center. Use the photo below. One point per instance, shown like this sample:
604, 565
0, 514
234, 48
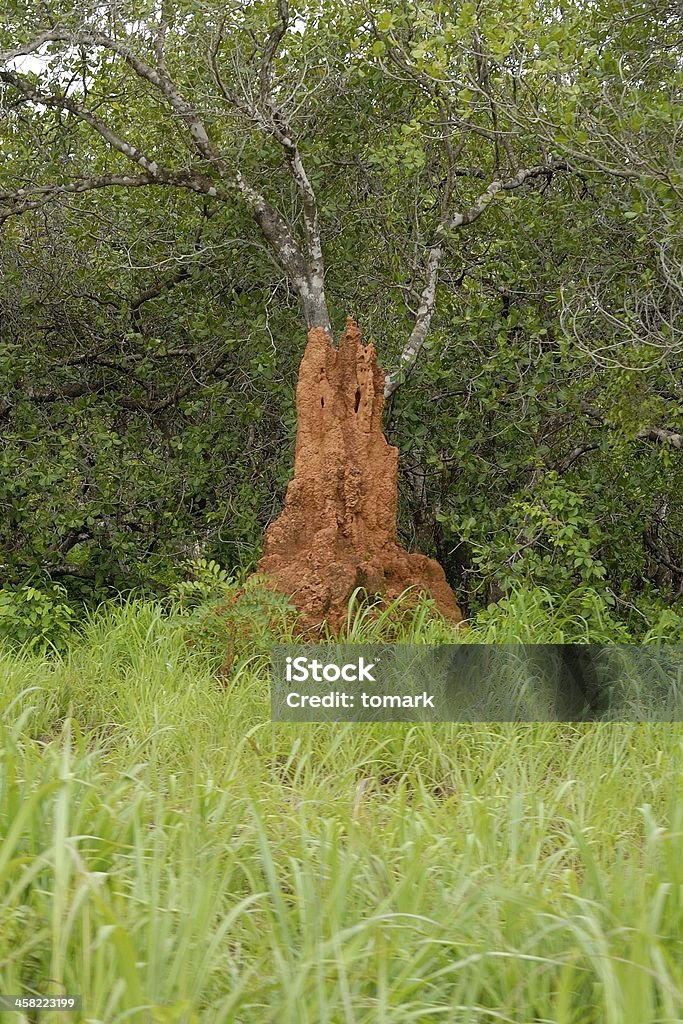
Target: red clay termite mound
337, 530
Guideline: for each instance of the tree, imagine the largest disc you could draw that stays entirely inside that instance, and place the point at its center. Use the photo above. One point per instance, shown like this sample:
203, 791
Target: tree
85, 55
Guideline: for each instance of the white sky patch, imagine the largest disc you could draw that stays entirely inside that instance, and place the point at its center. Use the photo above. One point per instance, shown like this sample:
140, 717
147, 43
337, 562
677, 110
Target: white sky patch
48, 66
33, 63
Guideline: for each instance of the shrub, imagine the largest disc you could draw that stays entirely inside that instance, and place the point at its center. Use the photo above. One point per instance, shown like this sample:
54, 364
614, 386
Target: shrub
35, 618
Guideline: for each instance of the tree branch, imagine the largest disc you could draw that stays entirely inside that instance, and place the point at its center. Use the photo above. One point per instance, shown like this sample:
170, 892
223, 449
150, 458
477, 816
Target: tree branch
154, 291
662, 435
305, 272
575, 454
23, 199
270, 120
450, 222
63, 102
500, 185
155, 76
657, 434
273, 226
274, 40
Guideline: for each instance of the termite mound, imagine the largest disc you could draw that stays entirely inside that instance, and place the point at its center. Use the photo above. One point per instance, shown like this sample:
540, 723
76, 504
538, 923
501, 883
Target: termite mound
337, 531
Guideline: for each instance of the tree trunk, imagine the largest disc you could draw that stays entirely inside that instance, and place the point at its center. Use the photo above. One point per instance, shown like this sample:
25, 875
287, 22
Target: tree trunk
337, 531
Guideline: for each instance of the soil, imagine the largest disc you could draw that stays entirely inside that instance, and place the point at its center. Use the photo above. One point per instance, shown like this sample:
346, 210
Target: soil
337, 531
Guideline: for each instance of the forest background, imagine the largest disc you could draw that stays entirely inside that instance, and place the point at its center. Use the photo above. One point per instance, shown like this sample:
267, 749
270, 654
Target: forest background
497, 200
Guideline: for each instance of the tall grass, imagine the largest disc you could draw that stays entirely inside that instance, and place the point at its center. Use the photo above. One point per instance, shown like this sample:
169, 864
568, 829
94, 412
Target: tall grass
172, 856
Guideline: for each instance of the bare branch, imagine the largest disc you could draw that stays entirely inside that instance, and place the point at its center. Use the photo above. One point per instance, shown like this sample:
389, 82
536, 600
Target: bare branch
425, 311
33, 198
423, 319
270, 120
155, 76
661, 434
576, 453
307, 280
657, 434
62, 102
274, 40
499, 185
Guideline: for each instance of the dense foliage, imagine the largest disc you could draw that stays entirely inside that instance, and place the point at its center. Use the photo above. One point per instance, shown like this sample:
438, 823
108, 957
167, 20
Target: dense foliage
150, 335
